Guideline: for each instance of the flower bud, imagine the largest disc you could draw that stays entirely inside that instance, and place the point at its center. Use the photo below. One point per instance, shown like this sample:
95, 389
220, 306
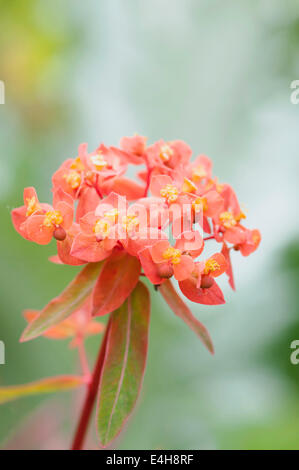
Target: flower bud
206, 281
165, 270
59, 234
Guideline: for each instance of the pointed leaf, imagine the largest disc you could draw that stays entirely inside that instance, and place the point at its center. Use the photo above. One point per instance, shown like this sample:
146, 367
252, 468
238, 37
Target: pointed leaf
116, 281
181, 310
124, 363
49, 385
66, 303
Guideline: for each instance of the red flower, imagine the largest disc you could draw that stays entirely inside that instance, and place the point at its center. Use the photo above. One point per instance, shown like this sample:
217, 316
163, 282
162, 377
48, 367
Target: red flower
96, 237
135, 147
160, 261
201, 286
40, 222
31, 206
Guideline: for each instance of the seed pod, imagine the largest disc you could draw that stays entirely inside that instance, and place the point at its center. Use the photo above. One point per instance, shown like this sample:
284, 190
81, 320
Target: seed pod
206, 281
165, 270
59, 234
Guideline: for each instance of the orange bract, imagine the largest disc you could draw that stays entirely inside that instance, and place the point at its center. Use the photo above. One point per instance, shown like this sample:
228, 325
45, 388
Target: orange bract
78, 324
91, 218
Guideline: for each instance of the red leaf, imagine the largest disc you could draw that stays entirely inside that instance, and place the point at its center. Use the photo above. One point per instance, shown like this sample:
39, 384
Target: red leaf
181, 310
211, 296
116, 281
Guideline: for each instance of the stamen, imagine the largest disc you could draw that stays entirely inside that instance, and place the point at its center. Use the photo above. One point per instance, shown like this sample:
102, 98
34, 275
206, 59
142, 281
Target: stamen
165, 153
227, 219
211, 265
188, 186
130, 222
99, 161
172, 254
73, 179
170, 192
32, 206
112, 215
199, 204
240, 216
102, 228
53, 219
77, 164
198, 173
255, 238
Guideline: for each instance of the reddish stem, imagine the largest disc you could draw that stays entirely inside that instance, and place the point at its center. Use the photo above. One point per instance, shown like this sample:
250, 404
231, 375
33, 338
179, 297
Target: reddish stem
209, 238
83, 357
90, 397
96, 187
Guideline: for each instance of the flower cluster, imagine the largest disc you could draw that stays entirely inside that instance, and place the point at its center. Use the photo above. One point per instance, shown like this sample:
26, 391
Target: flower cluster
120, 230
98, 212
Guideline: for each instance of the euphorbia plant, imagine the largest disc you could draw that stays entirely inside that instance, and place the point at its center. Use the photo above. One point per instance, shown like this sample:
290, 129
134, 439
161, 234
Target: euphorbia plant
122, 232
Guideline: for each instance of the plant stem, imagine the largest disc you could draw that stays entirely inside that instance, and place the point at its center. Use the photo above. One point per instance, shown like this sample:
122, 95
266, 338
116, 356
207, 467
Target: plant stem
96, 187
83, 357
90, 396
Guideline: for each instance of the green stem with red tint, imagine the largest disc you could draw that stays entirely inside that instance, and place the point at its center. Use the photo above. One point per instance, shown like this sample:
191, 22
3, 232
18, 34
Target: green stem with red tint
90, 398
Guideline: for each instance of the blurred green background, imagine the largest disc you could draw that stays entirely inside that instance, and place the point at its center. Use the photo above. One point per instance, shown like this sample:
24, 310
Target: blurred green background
216, 74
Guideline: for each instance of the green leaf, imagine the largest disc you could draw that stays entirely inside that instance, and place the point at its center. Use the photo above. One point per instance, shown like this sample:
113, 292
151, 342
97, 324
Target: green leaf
49, 385
179, 307
124, 363
66, 303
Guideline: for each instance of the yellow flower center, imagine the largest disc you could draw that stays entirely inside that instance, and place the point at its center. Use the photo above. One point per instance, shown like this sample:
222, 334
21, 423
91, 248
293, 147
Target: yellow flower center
99, 161
198, 173
227, 219
188, 186
73, 179
219, 186
165, 153
130, 222
240, 216
170, 193
53, 218
172, 254
102, 228
255, 238
77, 164
111, 215
211, 265
200, 204
32, 206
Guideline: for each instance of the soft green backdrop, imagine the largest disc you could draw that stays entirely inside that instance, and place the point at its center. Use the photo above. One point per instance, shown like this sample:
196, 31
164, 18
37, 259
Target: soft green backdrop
216, 74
